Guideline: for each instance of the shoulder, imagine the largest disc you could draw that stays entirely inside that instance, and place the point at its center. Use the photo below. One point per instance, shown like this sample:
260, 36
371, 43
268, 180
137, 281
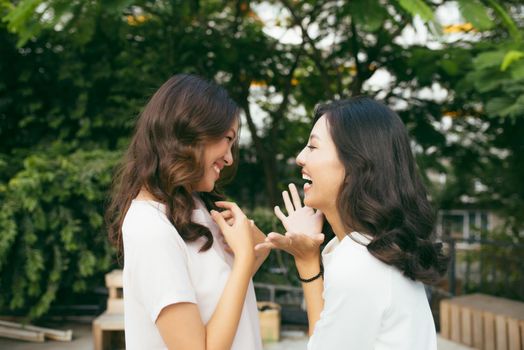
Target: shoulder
354, 258
352, 267
146, 222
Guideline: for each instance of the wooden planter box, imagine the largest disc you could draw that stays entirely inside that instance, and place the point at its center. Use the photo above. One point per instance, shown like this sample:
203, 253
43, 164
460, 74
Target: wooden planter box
269, 317
483, 322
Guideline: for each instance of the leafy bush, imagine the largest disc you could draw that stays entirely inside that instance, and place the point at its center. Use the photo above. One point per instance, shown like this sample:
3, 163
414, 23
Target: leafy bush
51, 228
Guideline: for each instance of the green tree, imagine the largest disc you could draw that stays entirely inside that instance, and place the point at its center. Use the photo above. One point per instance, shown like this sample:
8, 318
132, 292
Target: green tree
75, 74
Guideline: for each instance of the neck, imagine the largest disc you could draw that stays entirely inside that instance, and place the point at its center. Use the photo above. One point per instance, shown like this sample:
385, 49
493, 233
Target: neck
333, 217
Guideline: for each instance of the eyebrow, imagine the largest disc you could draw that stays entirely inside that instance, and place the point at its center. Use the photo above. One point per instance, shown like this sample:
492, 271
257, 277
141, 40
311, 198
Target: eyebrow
314, 136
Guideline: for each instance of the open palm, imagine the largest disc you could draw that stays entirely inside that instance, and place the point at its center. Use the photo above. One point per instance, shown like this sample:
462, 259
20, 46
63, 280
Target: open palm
300, 219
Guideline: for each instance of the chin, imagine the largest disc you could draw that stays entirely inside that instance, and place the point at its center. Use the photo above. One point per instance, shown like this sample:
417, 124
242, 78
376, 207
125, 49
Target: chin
209, 188
206, 187
308, 202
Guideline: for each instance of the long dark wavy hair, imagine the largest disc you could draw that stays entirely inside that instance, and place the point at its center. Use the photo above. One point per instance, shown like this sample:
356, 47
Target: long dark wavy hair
165, 155
382, 194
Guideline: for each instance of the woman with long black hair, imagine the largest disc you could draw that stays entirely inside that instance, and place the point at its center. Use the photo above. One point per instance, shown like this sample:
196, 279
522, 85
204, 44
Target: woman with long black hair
365, 290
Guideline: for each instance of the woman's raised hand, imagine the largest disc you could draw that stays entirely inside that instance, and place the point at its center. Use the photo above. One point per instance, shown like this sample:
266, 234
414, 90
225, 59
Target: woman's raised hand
299, 219
236, 230
303, 225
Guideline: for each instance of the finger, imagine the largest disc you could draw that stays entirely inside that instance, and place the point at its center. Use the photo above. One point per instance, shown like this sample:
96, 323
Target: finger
226, 214
318, 237
319, 212
230, 222
280, 215
289, 237
278, 240
287, 203
302, 239
228, 249
295, 196
265, 246
219, 220
233, 207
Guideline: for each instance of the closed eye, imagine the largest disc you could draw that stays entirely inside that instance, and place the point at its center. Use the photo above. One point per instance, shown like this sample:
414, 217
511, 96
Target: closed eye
311, 147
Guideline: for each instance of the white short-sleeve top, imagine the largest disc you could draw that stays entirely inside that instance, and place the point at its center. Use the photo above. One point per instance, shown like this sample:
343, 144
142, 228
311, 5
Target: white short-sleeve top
161, 269
369, 305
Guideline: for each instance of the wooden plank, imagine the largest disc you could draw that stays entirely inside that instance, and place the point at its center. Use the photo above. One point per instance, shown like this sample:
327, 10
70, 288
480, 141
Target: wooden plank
445, 319
21, 334
489, 331
115, 306
495, 305
501, 332
478, 332
514, 341
53, 334
109, 322
521, 327
466, 326
114, 279
455, 322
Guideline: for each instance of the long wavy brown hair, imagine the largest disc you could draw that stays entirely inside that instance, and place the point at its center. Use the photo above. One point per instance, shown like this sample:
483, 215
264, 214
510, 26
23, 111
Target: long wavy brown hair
165, 155
382, 194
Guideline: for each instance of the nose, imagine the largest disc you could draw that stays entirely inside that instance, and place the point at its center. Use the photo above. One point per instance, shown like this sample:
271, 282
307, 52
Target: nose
301, 158
228, 158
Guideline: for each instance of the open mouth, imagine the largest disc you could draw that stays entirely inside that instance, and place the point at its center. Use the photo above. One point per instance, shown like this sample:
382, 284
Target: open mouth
217, 168
308, 182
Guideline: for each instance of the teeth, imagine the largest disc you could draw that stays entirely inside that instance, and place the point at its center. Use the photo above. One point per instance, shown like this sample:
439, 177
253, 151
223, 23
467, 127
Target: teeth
217, 169
305, 177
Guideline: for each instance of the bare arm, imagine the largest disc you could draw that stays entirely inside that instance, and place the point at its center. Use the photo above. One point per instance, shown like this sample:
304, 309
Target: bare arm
180, 324
312, 290
262, 254
302, 240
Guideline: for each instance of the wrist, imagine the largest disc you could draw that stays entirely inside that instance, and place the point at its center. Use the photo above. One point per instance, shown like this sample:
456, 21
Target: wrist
245, 257
308, 268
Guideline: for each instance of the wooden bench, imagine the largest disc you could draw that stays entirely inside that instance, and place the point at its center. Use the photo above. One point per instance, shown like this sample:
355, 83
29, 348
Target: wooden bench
113, 318
483, 322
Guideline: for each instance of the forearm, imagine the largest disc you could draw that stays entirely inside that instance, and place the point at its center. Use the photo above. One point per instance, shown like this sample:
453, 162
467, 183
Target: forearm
259, 237
312, 290
259, 261
222, 327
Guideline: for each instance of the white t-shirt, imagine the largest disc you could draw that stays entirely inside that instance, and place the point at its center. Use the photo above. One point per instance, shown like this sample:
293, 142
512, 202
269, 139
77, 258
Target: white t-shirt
369, 305
161, 269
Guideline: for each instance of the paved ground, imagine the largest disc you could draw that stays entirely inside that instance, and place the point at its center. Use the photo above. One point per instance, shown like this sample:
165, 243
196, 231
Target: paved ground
291, 340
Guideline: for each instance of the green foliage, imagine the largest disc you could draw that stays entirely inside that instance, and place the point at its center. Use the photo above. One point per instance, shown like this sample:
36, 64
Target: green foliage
417, 7
75, 74
494, 268
474, 12
52, 227
497, 77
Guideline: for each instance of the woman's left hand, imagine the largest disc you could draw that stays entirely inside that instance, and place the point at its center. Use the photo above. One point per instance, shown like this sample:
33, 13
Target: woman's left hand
299, 219
258, 235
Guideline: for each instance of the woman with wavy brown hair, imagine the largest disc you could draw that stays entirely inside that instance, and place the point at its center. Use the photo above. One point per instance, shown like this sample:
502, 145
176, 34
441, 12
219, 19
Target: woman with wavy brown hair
365, 290
182, 287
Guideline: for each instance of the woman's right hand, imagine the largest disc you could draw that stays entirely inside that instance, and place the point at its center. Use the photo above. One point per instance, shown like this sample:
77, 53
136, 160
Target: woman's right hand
303, 225
237, 233
305, 248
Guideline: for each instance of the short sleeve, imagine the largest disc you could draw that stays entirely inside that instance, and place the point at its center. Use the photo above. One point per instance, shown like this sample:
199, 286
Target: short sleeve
157, 264
353, 309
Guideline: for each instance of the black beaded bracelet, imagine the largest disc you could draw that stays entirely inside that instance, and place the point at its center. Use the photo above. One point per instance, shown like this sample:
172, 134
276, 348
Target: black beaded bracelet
307, 280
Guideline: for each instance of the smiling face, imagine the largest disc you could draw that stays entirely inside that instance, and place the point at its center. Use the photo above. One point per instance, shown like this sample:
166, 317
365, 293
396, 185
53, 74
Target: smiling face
217, 155
321, 168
